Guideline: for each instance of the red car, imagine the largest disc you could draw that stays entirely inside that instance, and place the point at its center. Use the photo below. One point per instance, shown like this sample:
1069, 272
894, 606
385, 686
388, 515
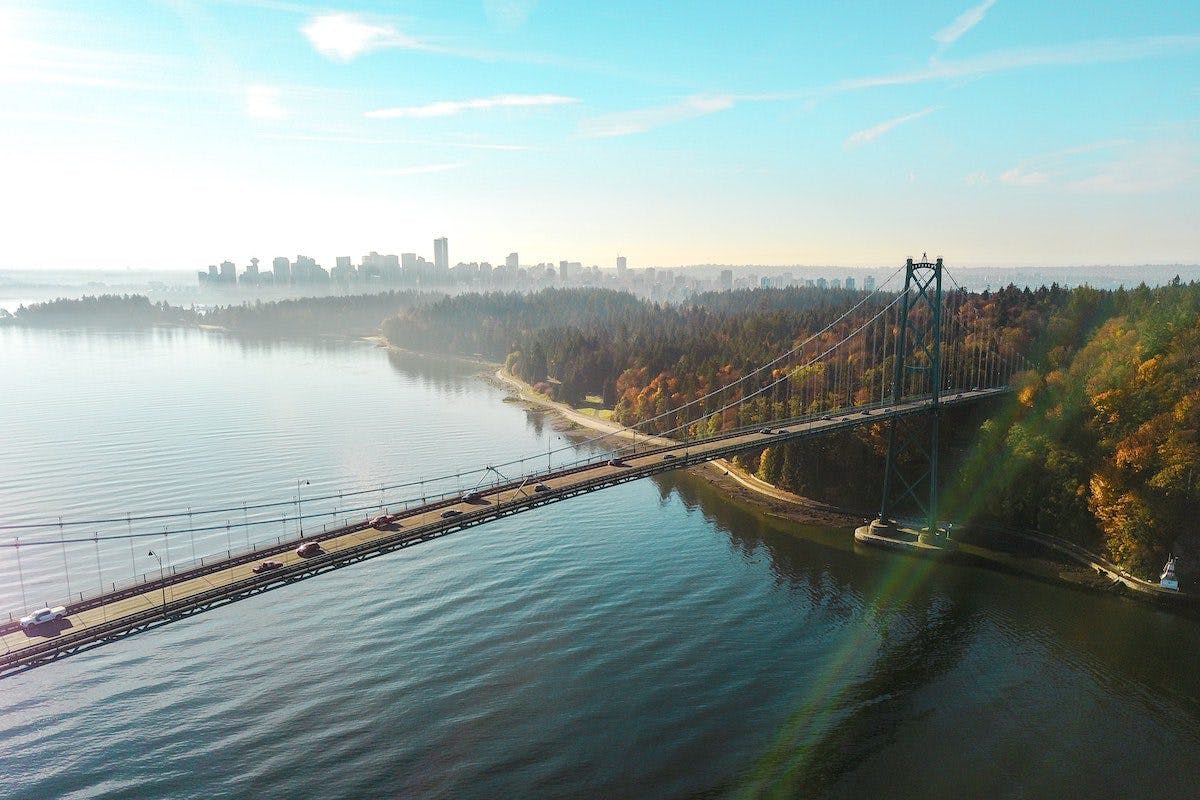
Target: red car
309, 549
266, 566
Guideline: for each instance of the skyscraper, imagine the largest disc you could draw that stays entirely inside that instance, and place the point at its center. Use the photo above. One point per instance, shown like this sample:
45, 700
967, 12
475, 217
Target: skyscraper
282, 269
441, 255
621, 267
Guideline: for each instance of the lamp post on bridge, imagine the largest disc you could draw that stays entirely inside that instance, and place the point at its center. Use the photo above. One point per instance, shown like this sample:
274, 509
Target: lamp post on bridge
162, 581
299, 513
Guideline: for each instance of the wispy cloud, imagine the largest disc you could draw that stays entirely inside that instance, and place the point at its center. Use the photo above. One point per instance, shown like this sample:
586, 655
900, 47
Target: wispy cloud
859, 138
423, 169
265, 102
1110, 167
508, 15
448, 108
344, 37
625, 123
1098, 51
962, 23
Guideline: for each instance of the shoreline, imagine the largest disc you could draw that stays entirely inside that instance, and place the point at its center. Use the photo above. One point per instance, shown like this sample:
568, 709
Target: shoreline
723, 474
1057, 561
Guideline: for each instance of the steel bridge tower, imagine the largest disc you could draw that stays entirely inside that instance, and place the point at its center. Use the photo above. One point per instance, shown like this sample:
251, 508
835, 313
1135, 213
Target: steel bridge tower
917, 372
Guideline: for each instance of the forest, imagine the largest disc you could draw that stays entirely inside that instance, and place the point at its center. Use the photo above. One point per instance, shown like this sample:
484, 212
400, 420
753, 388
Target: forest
1098, 444
340, 315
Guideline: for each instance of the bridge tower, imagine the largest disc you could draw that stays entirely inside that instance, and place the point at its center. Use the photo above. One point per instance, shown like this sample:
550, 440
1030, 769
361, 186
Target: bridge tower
917, 373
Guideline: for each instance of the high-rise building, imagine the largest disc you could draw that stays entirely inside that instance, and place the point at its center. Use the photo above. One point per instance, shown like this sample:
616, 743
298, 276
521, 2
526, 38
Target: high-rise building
343, 262
441, 255
850, 283
511, 261
869, 283
228, 272
726, 281
282, 269
621, 267
250, 274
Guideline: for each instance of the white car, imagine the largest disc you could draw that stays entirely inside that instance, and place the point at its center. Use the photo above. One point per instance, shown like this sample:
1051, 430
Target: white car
43, 615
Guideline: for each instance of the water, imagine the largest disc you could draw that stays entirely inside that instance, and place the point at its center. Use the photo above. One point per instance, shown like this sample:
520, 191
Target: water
650, 640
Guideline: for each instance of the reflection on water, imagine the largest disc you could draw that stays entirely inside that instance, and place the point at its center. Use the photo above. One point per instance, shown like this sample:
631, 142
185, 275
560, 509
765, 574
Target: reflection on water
650, 640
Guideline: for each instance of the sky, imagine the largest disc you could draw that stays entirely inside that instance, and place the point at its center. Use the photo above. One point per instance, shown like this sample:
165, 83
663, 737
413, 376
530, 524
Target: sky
173, 134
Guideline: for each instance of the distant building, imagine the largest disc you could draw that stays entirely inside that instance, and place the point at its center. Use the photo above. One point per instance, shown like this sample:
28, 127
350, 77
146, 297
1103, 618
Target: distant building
511, 261
282, 269
850, 283
228, 272
621, 267
726, 279
837, 283
869, 283
441, 255
343, 261
250, 274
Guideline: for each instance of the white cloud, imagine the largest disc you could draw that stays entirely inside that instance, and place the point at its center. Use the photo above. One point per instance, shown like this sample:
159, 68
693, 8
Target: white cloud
447, 108
962, 23
263, 102
1111, 167
1100, 51
344, 37
1021, 175
859, 138
423, 169
508, 15
978, 179
624, 123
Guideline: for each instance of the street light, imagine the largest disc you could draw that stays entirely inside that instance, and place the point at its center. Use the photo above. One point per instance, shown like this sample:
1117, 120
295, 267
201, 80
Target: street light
162, 581
299, 514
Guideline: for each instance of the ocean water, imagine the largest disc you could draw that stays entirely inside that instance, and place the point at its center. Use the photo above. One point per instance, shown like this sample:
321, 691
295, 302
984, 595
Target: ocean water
651, 640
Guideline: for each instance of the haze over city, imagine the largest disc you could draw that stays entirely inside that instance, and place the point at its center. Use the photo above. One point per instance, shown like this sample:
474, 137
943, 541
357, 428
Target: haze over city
172, 135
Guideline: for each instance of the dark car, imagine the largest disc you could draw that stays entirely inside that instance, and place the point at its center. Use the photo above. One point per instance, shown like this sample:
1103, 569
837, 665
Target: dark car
616, 462
267, 566
475, 497
541, 487
451, 512
309, 549
767, 432
669, 457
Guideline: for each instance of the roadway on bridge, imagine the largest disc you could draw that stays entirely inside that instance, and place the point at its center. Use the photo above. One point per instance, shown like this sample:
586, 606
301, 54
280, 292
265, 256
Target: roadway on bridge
417, 524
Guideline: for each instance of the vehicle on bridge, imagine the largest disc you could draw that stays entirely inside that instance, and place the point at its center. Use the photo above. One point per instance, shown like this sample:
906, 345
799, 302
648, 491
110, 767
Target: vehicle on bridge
451, 512
541, 487
386, 521
267, 566
42, 616
309, 549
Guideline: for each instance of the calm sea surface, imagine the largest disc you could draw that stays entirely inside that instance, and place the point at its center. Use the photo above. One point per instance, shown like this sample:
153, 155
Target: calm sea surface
650, 640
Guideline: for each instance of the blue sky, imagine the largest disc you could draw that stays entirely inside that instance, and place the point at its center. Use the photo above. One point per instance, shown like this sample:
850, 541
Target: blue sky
176, 134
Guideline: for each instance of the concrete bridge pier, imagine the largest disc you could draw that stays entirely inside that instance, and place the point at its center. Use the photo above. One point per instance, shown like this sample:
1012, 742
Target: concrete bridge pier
893, 535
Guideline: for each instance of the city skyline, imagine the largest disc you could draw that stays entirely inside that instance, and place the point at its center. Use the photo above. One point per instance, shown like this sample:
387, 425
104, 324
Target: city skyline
1001, 133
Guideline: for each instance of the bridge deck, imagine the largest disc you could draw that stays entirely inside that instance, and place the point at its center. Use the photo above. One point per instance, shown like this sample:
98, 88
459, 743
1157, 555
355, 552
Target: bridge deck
128, 611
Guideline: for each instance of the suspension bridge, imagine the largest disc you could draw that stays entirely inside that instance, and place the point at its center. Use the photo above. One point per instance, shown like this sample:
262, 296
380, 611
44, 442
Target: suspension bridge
895, 359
